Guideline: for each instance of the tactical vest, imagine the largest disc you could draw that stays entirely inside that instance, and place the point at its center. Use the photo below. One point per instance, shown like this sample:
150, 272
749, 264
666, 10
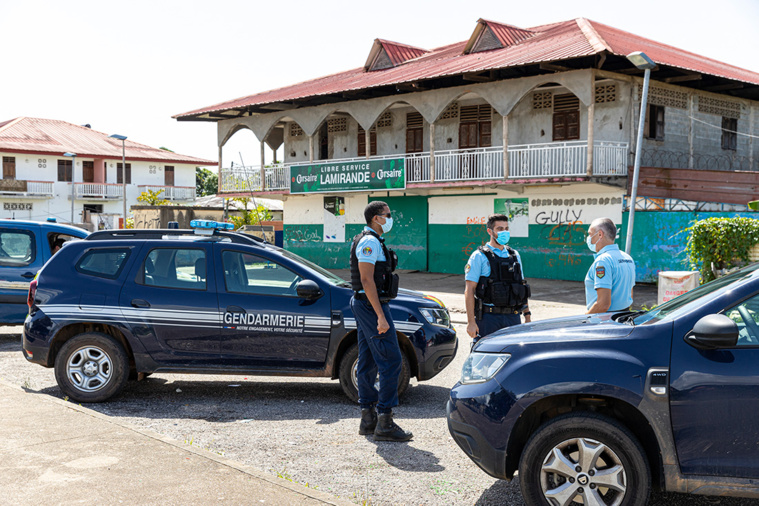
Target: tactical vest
505, 287
384, 279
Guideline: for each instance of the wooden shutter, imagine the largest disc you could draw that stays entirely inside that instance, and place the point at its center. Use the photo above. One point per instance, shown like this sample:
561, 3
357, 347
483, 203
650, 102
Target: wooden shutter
88, 172
9, 167
64, 170
467, 135
362, 142
485, 134
119, 175
414, 140
168, 175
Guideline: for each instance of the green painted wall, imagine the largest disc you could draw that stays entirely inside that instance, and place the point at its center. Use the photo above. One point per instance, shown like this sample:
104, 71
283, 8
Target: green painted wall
408, 238
306, 241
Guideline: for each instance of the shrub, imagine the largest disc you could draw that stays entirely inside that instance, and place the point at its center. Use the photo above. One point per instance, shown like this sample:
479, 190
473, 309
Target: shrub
721, 242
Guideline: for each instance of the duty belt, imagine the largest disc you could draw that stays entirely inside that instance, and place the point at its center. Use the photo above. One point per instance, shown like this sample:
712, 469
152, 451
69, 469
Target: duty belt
499, 310
362, 296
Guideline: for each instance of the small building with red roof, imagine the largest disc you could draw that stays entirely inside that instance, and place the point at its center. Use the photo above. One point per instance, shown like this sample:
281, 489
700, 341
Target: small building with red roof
539, 123
39, 181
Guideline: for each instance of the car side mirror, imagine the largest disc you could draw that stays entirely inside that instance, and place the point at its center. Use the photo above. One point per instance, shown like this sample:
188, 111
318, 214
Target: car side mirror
713, 331
308, 289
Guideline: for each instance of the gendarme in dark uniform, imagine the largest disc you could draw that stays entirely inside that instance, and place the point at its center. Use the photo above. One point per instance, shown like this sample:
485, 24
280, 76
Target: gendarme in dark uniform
374, 285
496, 292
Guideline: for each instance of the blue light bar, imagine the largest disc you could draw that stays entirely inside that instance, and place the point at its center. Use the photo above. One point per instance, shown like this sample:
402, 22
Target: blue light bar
208, 224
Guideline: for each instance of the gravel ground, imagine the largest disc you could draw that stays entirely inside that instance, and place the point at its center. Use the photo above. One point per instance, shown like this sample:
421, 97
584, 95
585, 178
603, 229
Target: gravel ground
306, 431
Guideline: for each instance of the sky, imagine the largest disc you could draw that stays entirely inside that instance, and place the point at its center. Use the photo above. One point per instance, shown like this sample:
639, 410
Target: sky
127, 67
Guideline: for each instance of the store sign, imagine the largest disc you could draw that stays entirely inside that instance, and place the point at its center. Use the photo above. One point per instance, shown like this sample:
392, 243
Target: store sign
386, 174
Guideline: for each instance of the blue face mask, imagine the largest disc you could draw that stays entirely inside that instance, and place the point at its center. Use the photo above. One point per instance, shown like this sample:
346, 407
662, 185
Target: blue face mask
503, 237
591, 246
387, 225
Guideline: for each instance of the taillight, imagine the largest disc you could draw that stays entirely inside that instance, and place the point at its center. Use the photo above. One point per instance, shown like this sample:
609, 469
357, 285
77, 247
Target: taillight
32, 293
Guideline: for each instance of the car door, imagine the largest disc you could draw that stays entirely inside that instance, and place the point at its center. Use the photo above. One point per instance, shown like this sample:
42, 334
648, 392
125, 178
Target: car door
265, 323
714, 400
170, 303
20, 259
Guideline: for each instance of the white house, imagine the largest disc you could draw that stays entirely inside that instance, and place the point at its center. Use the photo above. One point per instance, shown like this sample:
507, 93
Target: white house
39, 180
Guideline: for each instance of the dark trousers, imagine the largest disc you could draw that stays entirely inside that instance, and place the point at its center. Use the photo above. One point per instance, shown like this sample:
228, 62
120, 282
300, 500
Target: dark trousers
376, 353
491, 322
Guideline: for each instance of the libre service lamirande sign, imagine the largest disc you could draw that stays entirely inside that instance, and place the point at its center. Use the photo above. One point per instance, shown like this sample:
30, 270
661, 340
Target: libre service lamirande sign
385, 174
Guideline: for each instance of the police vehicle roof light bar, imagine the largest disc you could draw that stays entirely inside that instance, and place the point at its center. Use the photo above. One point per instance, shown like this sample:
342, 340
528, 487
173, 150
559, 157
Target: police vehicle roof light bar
206, 227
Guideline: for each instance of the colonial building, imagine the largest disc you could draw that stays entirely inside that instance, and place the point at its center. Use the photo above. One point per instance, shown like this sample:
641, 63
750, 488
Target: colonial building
39, 181
537, 122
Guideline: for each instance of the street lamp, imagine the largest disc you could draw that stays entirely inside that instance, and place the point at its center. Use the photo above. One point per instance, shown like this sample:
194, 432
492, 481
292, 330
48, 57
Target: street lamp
73, 188
643, 62
123, 139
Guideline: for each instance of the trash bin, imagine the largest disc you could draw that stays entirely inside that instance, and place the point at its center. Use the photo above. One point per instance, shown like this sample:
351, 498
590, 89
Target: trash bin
674, 283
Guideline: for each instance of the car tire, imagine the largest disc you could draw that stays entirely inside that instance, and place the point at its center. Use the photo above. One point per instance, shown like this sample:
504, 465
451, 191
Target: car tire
347, 377
607, 448
91, 367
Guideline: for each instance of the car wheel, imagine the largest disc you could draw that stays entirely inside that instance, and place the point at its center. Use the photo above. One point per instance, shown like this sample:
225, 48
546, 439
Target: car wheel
91, 367
584, 458
349, 366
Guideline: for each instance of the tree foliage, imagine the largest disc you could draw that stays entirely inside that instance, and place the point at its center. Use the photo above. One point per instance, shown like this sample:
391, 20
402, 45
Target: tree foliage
250, 216
206, 182
721, 242
153, 198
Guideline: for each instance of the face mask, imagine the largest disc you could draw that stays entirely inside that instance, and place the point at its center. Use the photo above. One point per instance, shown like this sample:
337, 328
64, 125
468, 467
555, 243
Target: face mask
591, 246
503, 237
387, 225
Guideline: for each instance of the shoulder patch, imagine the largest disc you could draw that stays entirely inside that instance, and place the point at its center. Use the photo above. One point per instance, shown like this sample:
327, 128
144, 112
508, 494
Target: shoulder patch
600, 271
366, 251
467, 269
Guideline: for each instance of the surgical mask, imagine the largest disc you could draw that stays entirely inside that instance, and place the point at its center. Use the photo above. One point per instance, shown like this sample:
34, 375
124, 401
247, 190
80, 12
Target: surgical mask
503, 237
591, 246
387, 225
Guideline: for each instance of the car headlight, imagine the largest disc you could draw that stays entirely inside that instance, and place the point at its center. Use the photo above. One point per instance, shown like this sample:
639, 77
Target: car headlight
436, 316
480, 367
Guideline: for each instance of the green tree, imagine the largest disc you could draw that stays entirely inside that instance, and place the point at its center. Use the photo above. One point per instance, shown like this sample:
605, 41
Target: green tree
721, 242
153, 198
250, 216
206, 182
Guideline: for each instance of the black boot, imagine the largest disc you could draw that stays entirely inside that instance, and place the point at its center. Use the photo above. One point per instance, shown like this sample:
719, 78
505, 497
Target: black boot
388, 430
368, 421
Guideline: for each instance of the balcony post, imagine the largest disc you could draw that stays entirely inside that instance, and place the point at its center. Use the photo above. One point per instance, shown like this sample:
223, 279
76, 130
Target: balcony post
367, 142
750, 136
219, 176
263, 170
591, 121
505, 146
311, 148
691, 129
432, 152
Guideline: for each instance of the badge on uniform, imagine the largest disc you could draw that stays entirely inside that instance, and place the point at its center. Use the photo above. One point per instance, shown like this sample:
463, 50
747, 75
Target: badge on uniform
467, 269
600, 271
367, 250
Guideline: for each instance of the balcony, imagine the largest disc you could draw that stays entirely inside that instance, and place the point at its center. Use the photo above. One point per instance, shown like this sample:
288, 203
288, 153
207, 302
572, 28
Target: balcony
172, 193
526, 162
28, 189
98, 191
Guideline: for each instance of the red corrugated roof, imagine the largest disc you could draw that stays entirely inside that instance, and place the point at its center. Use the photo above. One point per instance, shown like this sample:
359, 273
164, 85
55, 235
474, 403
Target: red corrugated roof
37, 135
508, 34
399, 53
568, 39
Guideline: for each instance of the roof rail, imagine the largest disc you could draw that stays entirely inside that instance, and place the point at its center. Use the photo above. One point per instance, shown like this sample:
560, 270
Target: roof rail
159, 233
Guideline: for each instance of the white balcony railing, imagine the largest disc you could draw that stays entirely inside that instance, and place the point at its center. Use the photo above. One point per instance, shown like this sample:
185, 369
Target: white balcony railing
24, 188
107, 191
526, 161
171, 192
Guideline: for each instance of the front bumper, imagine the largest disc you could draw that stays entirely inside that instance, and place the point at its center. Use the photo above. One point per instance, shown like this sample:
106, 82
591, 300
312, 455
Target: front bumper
477, 447
438, 360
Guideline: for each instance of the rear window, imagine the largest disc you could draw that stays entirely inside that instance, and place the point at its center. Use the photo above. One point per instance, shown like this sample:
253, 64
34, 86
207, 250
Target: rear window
103, 263
17, 248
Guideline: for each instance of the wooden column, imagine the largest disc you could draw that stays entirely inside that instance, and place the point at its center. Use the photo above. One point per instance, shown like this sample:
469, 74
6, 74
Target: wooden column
751, 136
311, 148
219, 180
432, 152
368, 139
505, 147
591, 121
691, 127
263, 164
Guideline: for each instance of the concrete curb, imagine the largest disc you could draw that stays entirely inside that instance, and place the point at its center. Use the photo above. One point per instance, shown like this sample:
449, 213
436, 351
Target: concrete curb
258, 474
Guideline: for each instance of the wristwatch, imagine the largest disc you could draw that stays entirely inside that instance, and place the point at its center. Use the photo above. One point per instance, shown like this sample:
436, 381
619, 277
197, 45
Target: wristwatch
527, 313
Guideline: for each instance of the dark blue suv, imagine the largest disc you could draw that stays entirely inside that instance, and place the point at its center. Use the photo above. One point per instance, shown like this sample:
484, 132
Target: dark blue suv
598, 409
126, 303
25, 246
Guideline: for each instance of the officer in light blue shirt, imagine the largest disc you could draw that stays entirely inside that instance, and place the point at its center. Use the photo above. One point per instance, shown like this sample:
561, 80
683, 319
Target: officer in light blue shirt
610, 280
483, 322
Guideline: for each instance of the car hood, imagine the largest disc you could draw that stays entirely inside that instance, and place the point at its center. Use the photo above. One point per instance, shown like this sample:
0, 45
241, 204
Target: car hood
567, 329
404, 297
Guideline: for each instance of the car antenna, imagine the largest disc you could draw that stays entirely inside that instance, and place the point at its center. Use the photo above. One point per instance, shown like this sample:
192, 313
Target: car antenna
258, 216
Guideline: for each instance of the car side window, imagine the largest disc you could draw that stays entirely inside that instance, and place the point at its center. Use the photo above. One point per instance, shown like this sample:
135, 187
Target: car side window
245, 273
746, 316
17, 248
103, 263
183, 268
57, 240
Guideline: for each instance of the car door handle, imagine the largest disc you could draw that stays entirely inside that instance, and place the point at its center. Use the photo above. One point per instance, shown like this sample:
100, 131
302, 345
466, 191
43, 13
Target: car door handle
235, 309
140, 303
28, 275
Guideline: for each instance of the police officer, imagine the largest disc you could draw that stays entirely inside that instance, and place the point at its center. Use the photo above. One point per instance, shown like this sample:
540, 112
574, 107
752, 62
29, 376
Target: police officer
496, 291
610, 280
374, 285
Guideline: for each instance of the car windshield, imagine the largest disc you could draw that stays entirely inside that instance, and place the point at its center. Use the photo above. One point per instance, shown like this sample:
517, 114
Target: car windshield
696, 297
332, 278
